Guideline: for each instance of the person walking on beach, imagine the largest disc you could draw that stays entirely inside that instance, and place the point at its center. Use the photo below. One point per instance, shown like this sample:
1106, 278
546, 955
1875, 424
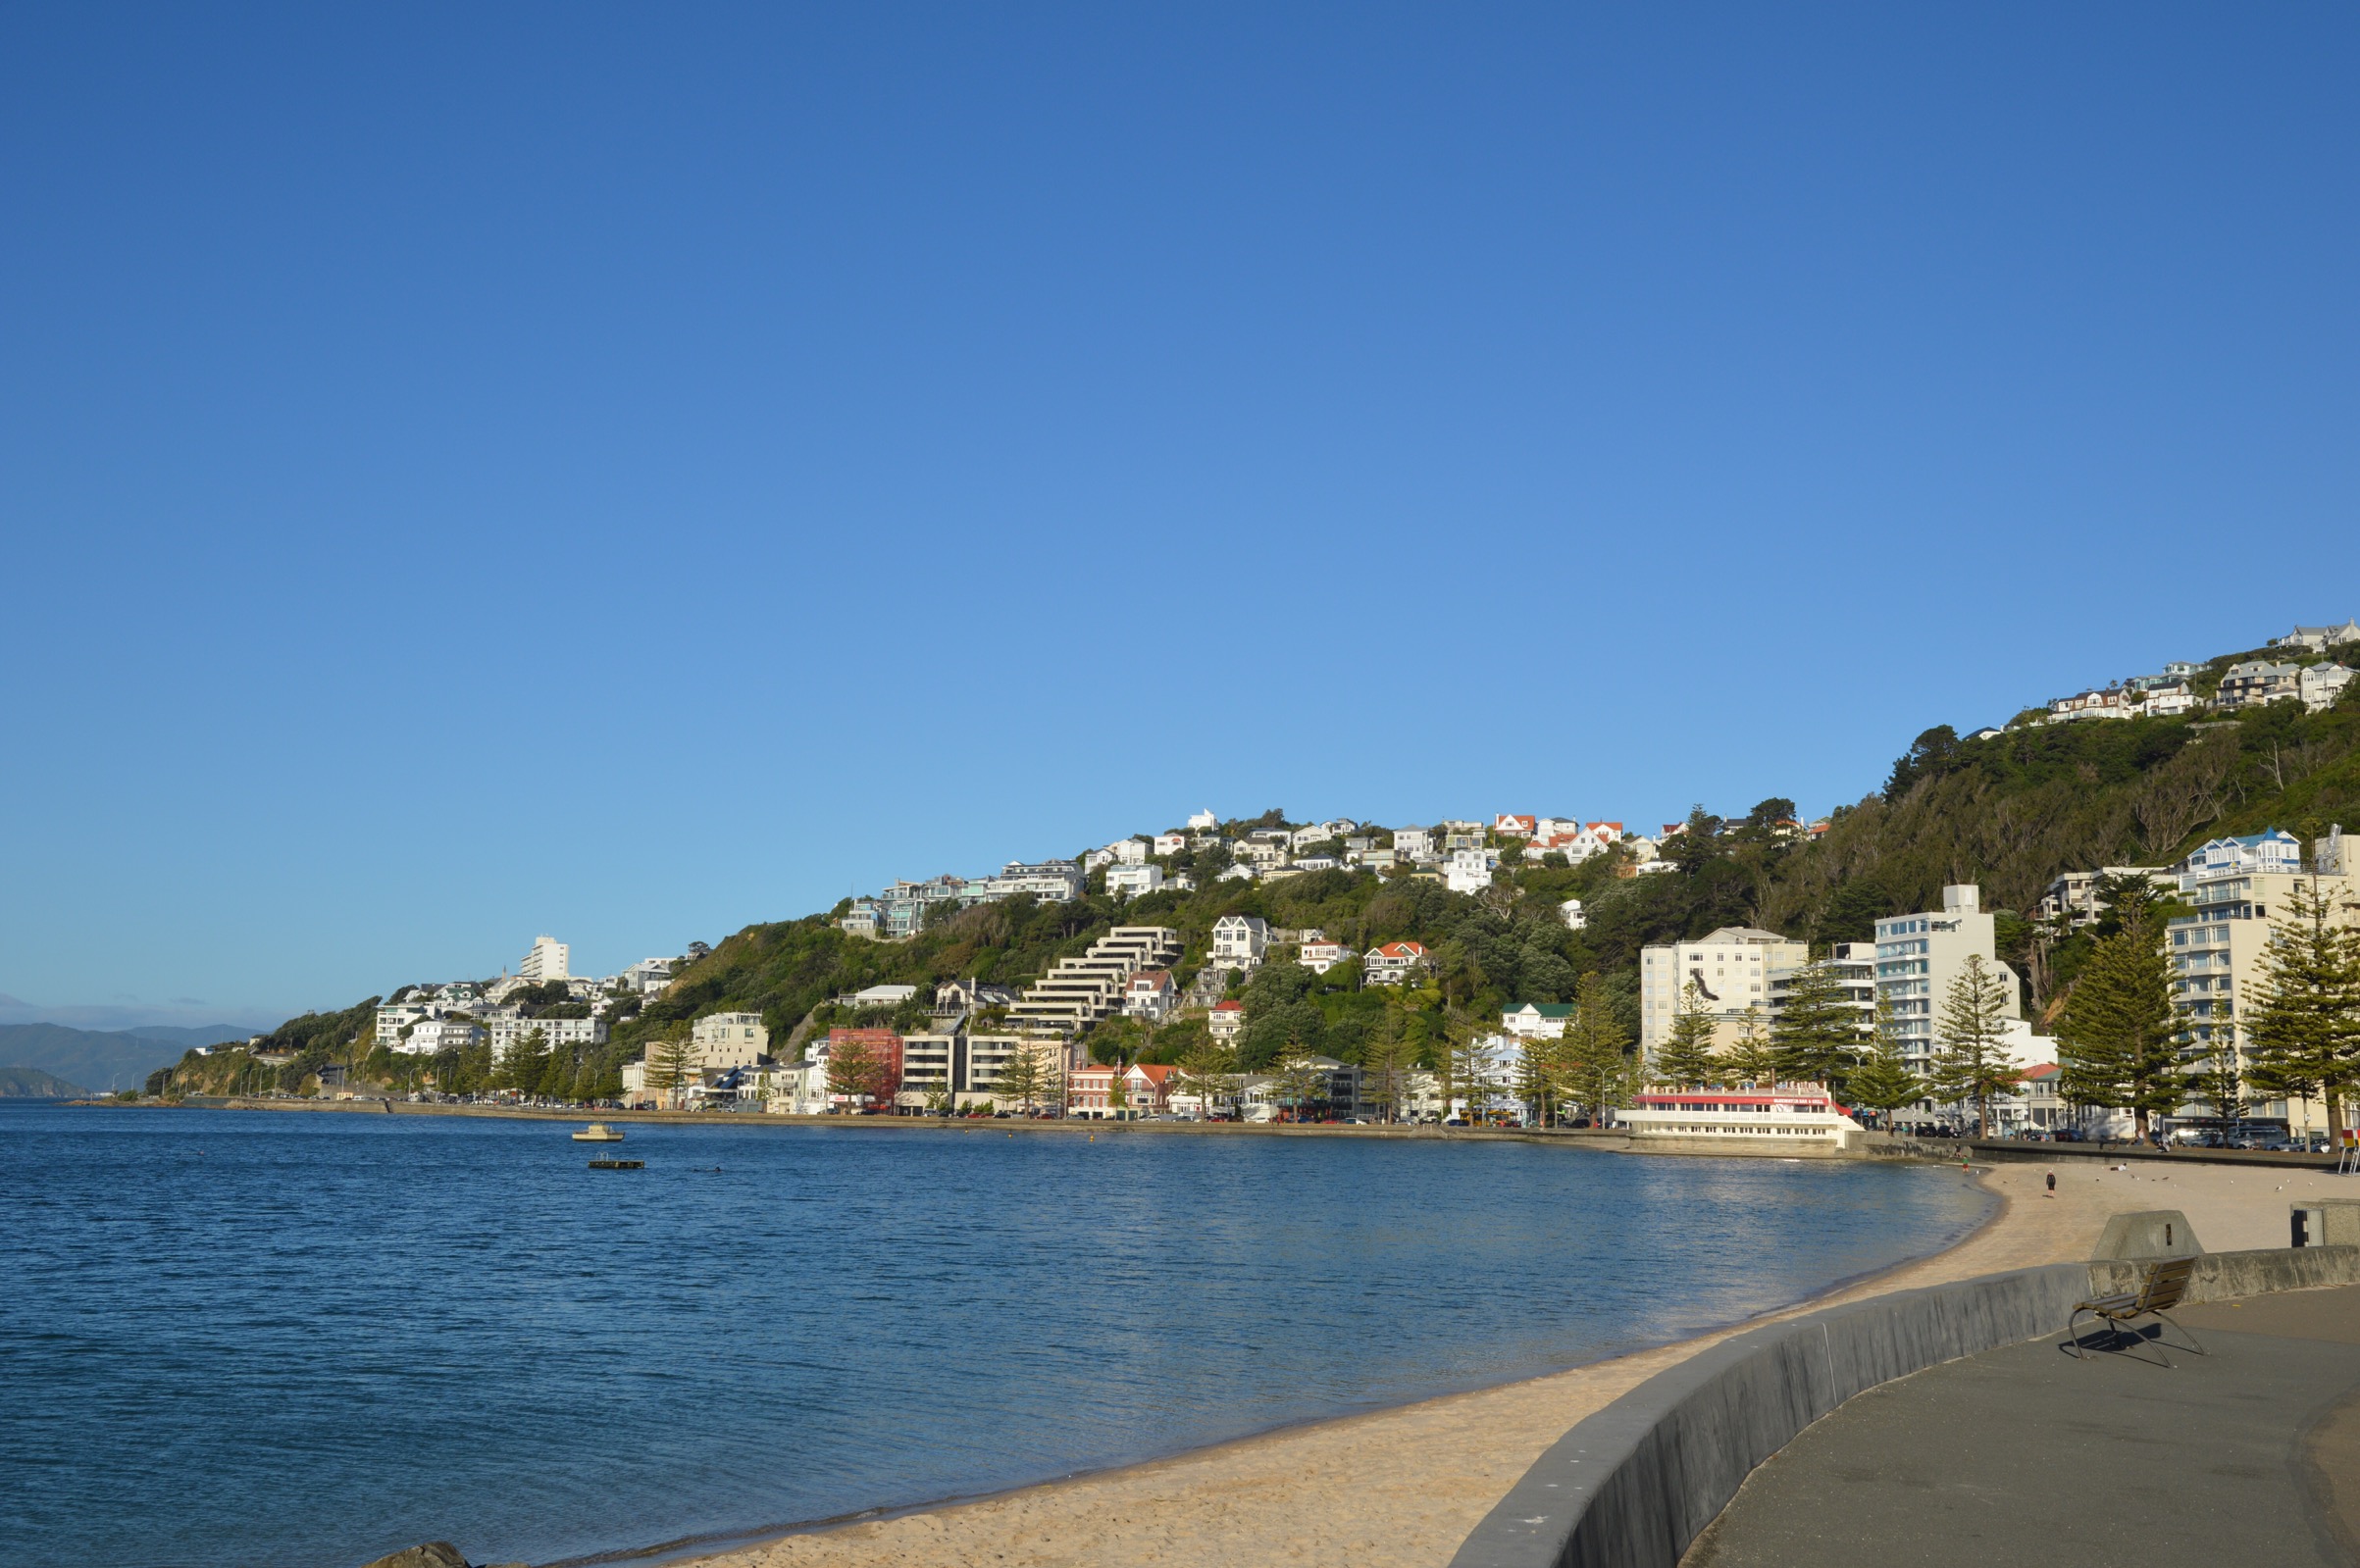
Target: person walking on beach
2052, 1191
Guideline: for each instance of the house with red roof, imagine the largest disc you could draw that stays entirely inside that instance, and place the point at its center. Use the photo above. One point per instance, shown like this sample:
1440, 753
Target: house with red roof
1514, 826
1225, 1020
1392, 963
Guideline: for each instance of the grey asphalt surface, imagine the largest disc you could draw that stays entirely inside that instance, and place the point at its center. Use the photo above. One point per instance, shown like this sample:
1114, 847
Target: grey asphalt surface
2250, 1454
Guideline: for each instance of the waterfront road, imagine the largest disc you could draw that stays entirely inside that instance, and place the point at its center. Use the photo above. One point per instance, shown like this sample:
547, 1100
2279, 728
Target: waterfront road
2250, 1454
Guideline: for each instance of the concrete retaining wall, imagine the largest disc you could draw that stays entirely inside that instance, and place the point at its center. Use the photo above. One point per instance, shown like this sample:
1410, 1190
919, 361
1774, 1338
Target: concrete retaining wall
2224, 1276
1633, 1485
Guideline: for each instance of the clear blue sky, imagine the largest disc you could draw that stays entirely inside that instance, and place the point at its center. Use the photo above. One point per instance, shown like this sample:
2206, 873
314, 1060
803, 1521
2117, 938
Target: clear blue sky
627, 473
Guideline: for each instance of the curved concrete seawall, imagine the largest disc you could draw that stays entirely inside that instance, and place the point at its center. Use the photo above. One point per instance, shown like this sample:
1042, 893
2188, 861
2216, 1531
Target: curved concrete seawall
1632, 1486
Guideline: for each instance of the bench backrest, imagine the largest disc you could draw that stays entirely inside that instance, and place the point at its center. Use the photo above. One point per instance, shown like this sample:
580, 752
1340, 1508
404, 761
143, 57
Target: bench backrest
2167, 1283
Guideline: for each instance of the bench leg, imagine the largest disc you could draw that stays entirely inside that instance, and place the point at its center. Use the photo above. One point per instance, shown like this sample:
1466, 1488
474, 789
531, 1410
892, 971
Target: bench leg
2193, 1343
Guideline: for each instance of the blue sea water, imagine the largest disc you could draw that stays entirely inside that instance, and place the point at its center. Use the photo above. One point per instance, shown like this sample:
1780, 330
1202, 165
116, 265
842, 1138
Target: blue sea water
288, 1340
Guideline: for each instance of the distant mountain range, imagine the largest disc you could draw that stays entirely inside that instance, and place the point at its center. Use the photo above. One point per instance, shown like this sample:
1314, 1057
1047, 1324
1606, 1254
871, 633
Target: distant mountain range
32, 1084
106, 1058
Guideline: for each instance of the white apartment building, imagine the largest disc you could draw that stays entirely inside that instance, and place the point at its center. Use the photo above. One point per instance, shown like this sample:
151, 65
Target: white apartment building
554, 1031
395, 1017
1732, 969
1125, 881
432, 1035
1056, 882
1413, 843
1079, 991
2238, 886
1240, 940
1202, 821
1570, 912
724, 1041
1919, 955
1469, 871
1170, 843
546, 961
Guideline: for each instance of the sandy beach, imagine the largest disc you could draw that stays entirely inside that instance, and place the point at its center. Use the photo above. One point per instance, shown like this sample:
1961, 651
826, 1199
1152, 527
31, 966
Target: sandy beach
1401, 1488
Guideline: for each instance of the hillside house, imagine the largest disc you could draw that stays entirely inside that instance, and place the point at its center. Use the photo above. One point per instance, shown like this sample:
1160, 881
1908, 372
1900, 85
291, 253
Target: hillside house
1392, 963
1151, 996
1537, 1019
1240, 940
2256, 681
1322, 955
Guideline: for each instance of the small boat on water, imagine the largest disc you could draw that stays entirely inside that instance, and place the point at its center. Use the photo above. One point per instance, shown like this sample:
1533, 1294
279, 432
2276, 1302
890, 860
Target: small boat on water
599, 1132
618, 1165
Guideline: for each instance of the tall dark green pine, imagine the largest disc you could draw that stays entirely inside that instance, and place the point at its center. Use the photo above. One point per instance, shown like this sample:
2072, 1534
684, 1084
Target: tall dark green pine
1817, 1036
2115, 1036
1970, 1062
1687, 1059
1882, 1082
2302, 1023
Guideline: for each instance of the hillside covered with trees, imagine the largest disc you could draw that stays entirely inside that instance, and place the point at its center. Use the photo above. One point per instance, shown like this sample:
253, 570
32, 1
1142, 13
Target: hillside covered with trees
2007, 810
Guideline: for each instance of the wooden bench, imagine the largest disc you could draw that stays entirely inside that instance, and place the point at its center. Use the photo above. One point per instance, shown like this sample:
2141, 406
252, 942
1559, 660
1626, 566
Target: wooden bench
2166, 1283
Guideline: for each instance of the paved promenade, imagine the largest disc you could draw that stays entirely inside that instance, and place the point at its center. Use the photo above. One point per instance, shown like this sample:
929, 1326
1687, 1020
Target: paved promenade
2250, 1454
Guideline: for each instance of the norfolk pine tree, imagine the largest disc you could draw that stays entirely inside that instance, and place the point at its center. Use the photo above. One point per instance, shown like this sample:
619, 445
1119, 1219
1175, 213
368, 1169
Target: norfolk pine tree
2116, 1035
1020, 1081
1817, 1036
671, 1063
854, 1070
1750, 1059
1882, 1082
1301, 1080
2302, 1030
1597, 1073
1540, 1067
1209, 1071
1384, 1064
1687, 1059
1970, 1063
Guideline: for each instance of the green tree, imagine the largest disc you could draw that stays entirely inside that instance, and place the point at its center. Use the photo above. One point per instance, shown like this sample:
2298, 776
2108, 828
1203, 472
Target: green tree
1302, 1080
2302, 1027
2115, 1038
855, 1070
1687, 1060
1970, 1062
1882, 1082
1597, 1071
2218, 1080
672, 1064
1817, 1036
1022, 1080
1458, 1061
1540, 1066
527, 1060
1750, 1058
1209, 1071
1385, 1063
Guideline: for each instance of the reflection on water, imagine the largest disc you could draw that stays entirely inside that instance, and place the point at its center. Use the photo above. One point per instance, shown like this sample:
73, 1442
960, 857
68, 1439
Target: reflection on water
263, 1339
